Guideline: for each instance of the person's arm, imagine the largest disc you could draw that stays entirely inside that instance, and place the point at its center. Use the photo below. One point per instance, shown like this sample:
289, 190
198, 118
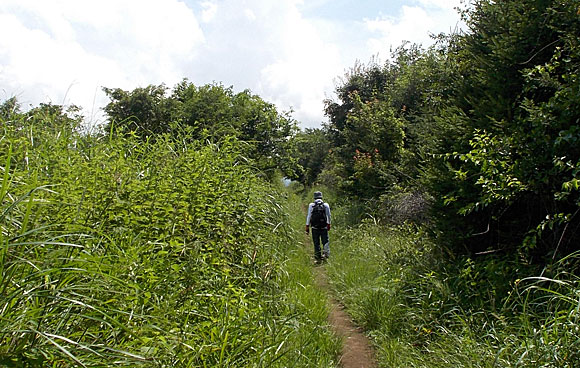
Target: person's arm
327, 208
308, 217
309, 214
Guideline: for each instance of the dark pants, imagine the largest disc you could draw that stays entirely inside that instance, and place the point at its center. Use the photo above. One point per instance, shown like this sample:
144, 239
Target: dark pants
320, 238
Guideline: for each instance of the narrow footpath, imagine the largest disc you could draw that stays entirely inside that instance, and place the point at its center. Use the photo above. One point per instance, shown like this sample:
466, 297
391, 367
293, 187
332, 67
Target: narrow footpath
357, 350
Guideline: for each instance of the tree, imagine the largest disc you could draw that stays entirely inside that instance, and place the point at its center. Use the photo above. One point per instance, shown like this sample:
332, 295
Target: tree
383, 117
211, 112
9, 109
514, 166
146, 111
312, 149
208, 109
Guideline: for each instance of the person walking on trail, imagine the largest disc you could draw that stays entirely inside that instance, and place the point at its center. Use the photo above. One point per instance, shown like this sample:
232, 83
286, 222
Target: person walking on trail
318, 219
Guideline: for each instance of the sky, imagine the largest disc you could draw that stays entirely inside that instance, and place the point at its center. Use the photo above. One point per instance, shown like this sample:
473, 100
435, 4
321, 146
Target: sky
289, 52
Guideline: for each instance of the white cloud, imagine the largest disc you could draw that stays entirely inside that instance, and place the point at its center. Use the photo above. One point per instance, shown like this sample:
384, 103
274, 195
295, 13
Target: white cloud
45, 69
63, 51
250, 15
414, 24
209, 11
304, 69
270, 48
440, 4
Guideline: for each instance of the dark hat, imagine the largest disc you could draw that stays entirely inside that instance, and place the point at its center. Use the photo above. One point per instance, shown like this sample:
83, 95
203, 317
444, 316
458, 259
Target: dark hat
317, 195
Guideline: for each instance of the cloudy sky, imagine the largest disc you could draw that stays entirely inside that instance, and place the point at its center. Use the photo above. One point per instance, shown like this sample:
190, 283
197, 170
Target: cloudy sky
290, 52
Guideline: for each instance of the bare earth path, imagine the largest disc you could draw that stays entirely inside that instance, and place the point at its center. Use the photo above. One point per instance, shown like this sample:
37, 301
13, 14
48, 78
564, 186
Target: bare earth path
357, 350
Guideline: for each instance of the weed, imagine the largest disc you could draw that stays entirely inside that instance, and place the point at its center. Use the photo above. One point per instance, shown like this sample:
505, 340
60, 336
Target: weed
425, 311
115, 251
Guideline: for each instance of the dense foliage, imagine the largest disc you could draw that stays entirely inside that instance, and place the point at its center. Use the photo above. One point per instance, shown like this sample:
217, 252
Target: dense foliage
468, 153
483, 126
518, 95
209, 112
119, 251
424, 311
311, 147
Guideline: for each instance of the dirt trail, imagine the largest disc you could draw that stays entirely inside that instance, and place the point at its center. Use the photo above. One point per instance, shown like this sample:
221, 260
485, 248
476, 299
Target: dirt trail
357, 351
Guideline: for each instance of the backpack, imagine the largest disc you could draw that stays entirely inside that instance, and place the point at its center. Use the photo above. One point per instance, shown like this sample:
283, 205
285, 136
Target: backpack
318, 216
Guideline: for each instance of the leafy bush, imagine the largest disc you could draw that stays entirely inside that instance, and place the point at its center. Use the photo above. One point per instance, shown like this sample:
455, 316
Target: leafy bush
463, 312
119, 251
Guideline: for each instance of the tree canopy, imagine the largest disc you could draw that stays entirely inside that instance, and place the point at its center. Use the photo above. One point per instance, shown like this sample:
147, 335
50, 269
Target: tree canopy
211, 112
484, 125
478, 133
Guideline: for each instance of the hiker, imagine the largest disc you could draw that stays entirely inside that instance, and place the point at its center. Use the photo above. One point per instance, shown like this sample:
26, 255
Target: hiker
318, 219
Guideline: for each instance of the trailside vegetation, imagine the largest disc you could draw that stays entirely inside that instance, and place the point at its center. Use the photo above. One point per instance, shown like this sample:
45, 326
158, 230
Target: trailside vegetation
481, 128
458, 169
126, 250
210, 112
425, 309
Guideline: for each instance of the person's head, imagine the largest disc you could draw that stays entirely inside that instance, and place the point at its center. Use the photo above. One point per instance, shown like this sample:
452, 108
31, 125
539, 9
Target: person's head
317, 195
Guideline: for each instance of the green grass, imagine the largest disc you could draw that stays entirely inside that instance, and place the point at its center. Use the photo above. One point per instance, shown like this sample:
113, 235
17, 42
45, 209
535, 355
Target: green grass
424, 310
315, 345
115, 251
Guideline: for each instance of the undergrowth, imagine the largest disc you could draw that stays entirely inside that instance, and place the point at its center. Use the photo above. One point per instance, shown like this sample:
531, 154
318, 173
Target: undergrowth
173, 252
424, 308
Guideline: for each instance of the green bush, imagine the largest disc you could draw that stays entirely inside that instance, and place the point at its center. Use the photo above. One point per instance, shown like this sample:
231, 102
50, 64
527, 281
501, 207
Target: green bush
115, 251
426, 309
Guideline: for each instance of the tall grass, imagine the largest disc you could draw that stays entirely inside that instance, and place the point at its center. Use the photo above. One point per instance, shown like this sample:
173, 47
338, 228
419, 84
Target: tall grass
313, 344
115, 251
424, 309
